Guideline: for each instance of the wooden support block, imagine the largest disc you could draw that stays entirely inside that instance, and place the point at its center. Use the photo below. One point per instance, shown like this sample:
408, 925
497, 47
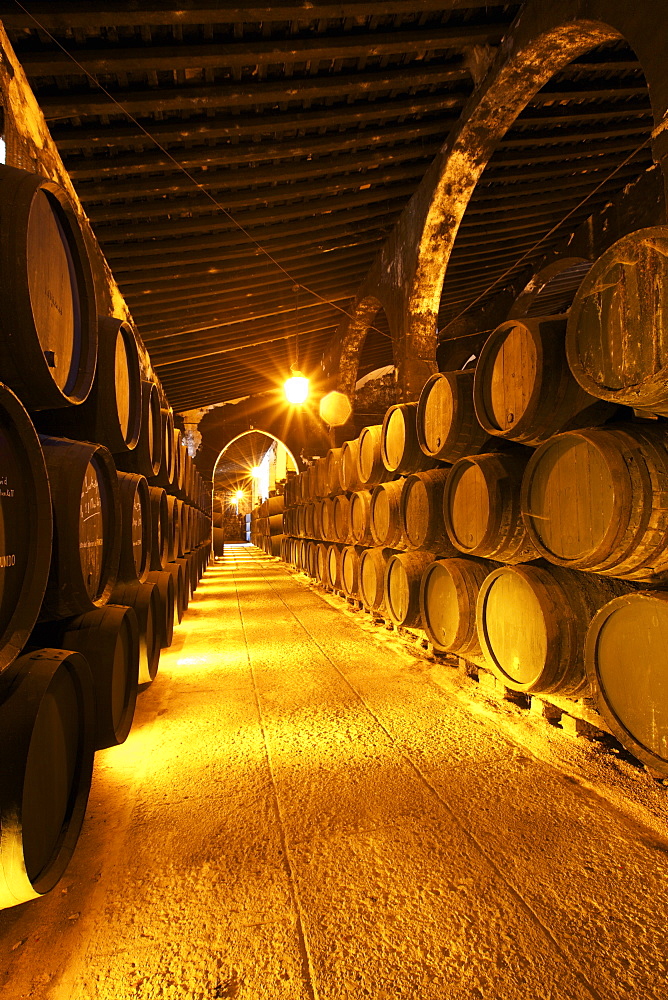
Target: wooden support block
545, 710
488, 683
578, 727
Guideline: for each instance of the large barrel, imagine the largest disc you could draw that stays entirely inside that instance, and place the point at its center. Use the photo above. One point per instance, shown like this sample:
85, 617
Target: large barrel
598, 500
146, 458
87, 527
421, 512
372, 566
349, 477
403, 574
399, 446
447, 427
164, 583
48, 321
350, 569
46, 744
625, 656
617, 338
448, 596
524, 390
385, 514
370, 467
25, 527
481, 507
144, 601
135, 555
532, 622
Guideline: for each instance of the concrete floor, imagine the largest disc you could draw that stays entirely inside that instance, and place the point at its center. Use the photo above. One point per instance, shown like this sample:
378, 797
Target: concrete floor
304, 809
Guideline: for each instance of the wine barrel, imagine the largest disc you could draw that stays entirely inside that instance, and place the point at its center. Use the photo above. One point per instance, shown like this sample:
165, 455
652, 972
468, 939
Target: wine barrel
173, 528
372, 566
164, 583
448, 595
322, 555
625, 658
532, 622
349, 477
360, 517
167, 471
481, 507
135, 555
399, 446
25, 527
524, 390
334, 566
617, 337
48, 321
402, 586
275, 505
327, 519
350, 569
47, 733
180, 602
87, 527
598, 500
446, 423
146, 457
144, 601
385, 514
275, 524
108, 638
370, 467
341, 518
177, 482
334, 469
310, 564
421, 512
159, 522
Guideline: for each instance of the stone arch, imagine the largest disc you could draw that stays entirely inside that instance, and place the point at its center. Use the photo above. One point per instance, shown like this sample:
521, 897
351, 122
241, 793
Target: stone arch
254, 430
352, 341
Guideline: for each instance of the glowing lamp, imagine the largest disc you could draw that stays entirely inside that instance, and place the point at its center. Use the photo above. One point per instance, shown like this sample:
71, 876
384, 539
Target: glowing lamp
239, 495
335, 409
296, 389
256, 472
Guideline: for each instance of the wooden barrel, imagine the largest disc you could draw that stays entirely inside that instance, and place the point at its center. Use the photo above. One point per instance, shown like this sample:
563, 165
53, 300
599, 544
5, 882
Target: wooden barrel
144, 601
167, 471
350, 569
625, 657
360, 517
327, 519
108, 638
524, 390
403, 574
322, 555
421, 512
446, 423
372, 566
48, 320
399, 446
164, 583
334, 566
598, 500
481, 507
532, 622
334, 470
448, 595
145, 459
341, 518
47, 742
87, 527
177, 482
135, 555
370, 467
275, 524
617, 337
349, 477
310, 564
385, 514
173, 528
180, 601
25, 527
159, 528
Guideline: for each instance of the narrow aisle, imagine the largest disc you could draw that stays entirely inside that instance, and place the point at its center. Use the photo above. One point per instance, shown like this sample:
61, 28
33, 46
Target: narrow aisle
302, 813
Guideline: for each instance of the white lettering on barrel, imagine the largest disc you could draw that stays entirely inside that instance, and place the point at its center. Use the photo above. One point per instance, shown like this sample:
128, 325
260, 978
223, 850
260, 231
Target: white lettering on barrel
7, 561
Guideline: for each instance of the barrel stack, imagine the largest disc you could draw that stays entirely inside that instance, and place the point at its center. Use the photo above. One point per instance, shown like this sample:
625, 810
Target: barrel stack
88, 548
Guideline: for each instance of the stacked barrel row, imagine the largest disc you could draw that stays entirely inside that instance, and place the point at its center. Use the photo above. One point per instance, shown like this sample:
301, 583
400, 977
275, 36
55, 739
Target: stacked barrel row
267, 525
104, 530
519, 511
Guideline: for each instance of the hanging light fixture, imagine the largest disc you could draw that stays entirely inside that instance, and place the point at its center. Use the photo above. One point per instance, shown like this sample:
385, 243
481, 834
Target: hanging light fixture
296, 387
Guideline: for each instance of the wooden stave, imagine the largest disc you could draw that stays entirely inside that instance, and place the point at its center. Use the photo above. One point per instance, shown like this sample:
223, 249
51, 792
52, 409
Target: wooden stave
412, 458
159, 522
409, 567
22, 360
26, 687
67, 461
144, 601
164, 582
467, 574
430, 534
466, 436
130, 486
393, 536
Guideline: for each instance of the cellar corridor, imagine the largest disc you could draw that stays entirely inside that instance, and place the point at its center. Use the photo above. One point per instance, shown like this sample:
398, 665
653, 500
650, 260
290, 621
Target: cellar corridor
295, 815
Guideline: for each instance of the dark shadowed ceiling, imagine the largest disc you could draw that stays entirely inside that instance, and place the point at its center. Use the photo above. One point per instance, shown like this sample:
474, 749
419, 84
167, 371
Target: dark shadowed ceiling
311, 125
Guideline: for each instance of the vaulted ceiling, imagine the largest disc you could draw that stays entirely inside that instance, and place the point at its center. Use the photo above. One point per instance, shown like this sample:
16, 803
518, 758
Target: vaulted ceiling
303, 130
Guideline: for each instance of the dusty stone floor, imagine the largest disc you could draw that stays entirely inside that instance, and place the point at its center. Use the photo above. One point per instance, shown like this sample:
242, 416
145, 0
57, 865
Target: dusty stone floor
305, 809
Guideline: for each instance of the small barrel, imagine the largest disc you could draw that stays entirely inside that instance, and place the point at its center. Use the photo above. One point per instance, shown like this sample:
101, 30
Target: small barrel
373, 563
87, 527
597, 500
625, 657
135, 555
399, 446
370, 467
341, 518
532, 622
360, 517
25, 527
402, 586
385, 514
48, 321
448, 596
524, 390
334, 566
146, 457
164, 583
446, 423
47, 743
349, 476
617, 332
180, 601
144, 601
159, 528
350, 569
481, 507
421, 512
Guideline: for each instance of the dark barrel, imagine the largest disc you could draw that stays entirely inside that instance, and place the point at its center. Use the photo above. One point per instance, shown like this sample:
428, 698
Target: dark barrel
403, 574
399, 446
180, 598
159, 528
144, 601
165, 476
173, 528
135, 556
146, 458
421, 512
25, 526
87, 527
448, 596
47, 735
164, 582
48, 320
446, 423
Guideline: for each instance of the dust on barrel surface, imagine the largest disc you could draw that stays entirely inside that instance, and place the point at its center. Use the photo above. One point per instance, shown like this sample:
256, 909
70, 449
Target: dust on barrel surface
25, 526
627, 666
617, 337
446, 422
47, 732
